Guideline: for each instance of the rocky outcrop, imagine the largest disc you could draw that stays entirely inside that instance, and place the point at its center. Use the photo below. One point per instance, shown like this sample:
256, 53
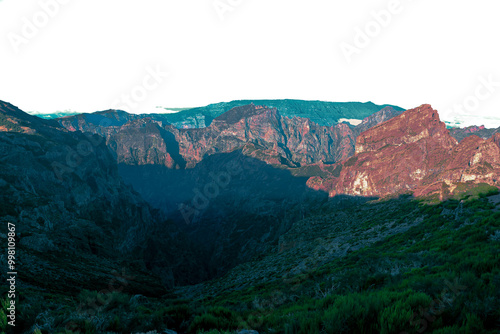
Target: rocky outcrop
413, 152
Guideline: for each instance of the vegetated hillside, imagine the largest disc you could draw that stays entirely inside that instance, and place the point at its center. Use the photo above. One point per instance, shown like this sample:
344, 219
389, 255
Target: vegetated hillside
393, 266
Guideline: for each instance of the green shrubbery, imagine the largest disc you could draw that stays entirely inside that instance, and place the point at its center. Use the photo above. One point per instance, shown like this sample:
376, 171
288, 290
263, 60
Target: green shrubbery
214, 318
447, 281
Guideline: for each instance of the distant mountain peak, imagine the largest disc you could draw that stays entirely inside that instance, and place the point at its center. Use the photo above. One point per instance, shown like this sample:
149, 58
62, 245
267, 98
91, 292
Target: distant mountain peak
409, 127
112, 112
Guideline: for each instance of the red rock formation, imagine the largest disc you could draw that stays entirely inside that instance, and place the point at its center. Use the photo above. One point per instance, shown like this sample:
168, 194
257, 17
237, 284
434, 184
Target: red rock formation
143, 142
266, 135
413, 152
259, 131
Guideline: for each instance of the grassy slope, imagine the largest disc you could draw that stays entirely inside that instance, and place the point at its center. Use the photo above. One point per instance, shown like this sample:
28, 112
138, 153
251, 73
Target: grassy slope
394, 266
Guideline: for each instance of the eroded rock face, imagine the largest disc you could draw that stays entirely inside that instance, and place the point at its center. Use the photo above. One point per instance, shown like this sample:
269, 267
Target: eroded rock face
174, 170
267, 136
319, 112
145, 142
259, 131
413, 152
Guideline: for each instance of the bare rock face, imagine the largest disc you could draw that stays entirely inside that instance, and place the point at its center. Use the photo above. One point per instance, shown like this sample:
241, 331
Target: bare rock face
496, 138
389, 152
267, 136
259, 131
413, 152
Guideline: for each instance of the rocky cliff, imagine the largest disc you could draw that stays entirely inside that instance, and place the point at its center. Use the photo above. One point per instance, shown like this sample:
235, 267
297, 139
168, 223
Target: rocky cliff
261, 132
413, 152
264, 134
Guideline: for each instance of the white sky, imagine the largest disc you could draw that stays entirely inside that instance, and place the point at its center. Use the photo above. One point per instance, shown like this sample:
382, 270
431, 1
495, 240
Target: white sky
91, 52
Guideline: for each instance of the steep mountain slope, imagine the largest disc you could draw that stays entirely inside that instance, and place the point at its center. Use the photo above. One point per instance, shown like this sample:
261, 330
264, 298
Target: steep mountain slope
63, 191
260, 131
414, 152
264, 134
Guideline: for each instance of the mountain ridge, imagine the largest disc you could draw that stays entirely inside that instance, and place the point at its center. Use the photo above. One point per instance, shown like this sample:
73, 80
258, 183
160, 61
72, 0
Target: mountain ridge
321, 112
413, 152
226, 134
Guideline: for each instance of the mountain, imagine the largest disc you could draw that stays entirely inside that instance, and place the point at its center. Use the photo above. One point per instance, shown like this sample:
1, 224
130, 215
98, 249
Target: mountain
264, 134
319, 112
82, 179
414, 152
175, 169
480, 131
257, 221
261, 132
14, 120
63, 192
